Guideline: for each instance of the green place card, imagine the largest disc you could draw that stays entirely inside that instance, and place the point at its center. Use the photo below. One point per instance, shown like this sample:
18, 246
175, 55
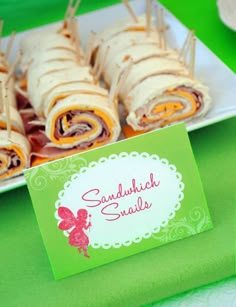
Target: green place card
118, 200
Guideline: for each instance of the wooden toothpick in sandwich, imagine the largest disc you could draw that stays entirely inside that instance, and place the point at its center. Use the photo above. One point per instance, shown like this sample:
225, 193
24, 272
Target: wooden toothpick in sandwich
161, 27
163, 30
1, 97
13, 68
186, 46
91, 41
103, 63
9, 45
75, 36
68, 9
158, 25
148, 16
130, 10
75, 7
119, 81
1, 27
6, 108
96, 64
123, 78
192, 57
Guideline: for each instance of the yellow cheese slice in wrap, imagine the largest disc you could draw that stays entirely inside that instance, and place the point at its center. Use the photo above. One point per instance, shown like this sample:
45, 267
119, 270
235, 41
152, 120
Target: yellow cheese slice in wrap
164, 99
13, 154
83, 120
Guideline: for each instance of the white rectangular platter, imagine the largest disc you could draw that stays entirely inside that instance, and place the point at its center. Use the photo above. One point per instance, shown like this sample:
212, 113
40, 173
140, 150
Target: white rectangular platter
209, 69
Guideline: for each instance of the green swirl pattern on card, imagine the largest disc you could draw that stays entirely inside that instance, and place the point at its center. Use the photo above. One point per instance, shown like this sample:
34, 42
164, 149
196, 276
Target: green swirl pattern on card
197, 220
59, 170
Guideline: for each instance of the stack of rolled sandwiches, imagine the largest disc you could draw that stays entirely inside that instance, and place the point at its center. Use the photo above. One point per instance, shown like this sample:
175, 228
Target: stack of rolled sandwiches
14, 146
64, 108
159, 88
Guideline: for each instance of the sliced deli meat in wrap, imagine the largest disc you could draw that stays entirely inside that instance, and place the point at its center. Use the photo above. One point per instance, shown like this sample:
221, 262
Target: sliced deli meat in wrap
8, 104
14, 154
14, 146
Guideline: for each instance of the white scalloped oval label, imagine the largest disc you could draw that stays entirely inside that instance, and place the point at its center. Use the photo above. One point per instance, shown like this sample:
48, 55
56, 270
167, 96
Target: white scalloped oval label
119, 200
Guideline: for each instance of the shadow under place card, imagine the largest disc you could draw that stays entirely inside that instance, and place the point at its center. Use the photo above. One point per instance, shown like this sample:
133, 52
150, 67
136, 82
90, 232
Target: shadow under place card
118, 200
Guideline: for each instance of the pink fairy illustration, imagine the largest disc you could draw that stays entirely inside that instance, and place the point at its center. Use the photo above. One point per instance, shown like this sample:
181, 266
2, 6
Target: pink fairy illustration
77, 236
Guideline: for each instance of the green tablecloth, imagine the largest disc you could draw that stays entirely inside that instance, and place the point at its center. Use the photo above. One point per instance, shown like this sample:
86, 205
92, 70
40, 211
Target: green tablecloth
203, 17
26, 278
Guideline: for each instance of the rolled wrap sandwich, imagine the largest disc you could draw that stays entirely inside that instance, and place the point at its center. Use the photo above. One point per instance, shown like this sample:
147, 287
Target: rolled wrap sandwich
14, 116
164, 99
14, 154
158, 89
67, 99
14, 146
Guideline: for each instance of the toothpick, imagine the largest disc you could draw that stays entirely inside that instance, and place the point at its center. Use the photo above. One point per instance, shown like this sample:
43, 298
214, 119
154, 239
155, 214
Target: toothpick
76, 5
1, 96
123, 78
100, 70
192, 57
1, 27
69, 21
163, 28
158, 24
95, 67
12, 68
74, 35
74, 9
90, 47
186, 45
130, 10
74, 26
7, 109
119, 81
71, 30
70, 15
148, 16
96, 64
68, 10
9, 45
115, 81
